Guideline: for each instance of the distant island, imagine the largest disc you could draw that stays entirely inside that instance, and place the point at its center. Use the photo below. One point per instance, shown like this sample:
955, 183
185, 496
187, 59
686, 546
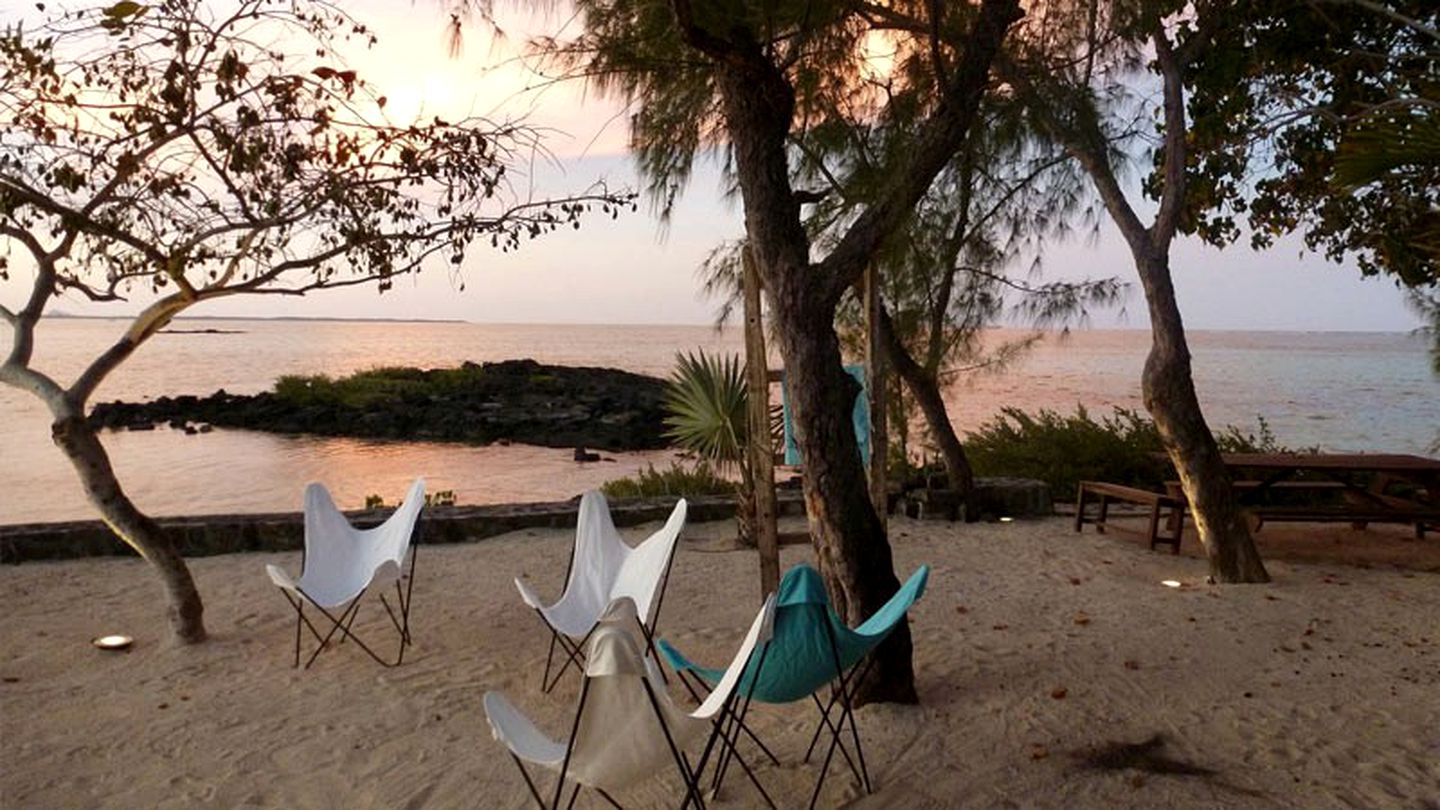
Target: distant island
292, 318
514, 400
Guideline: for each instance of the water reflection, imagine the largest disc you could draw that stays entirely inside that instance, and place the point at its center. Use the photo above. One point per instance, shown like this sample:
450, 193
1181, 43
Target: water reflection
242, 471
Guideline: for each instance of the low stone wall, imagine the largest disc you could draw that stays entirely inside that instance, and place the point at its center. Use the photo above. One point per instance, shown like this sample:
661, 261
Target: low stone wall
226, 534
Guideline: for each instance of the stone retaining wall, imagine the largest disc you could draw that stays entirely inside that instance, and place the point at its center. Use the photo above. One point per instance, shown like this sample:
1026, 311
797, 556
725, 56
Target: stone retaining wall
225, 534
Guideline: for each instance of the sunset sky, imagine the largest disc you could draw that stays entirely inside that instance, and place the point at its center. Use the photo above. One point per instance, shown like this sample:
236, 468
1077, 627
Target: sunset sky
634, 271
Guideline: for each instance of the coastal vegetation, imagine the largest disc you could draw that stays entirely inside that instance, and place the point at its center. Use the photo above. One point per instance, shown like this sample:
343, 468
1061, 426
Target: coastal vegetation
706, 404
1062, 450
169, 155
683, 480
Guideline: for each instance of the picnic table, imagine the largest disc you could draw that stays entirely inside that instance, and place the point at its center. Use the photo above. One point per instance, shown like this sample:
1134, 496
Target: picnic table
1365, 481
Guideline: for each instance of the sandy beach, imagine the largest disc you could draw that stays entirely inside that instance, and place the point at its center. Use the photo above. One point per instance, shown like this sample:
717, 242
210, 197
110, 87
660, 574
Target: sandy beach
1037, 652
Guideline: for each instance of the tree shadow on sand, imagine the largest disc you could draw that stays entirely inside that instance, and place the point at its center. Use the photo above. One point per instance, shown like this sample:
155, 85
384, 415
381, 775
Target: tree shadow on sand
1148, 758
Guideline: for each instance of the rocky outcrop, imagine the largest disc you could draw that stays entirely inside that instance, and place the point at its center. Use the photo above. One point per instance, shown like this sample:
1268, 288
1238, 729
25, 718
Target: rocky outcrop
515, 400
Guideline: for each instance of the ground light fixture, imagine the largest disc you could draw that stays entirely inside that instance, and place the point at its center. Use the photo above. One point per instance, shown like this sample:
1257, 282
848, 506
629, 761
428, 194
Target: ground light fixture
1007, 519
112, 642
1170, 583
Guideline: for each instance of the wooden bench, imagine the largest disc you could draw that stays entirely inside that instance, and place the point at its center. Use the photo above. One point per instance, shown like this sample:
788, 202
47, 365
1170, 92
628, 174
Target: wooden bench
1349, 513
1358, 508
1104, 493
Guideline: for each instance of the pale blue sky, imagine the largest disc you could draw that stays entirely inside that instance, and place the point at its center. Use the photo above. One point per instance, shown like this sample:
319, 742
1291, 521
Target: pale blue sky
623, 271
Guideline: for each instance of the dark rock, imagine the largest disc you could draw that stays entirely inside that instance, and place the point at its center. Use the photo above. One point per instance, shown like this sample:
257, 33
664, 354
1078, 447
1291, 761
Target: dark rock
581, 454
1014, 497
511, 401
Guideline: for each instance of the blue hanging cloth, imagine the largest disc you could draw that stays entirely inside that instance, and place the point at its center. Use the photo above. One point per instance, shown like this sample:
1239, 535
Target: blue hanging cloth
860, 415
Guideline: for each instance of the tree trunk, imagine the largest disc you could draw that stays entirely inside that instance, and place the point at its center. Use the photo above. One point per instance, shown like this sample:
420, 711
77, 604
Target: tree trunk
849, 538
1169, 394
850, 543
80, 444
927, 395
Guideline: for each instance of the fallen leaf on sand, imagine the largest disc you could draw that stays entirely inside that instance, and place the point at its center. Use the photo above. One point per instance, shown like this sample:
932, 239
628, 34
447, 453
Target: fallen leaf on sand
1038, 751
1074, 580
1059, 692
1001, 627
1081, 619
962, 609
1132, 664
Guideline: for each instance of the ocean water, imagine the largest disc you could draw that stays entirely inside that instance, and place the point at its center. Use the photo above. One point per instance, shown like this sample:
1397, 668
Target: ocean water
1370, 392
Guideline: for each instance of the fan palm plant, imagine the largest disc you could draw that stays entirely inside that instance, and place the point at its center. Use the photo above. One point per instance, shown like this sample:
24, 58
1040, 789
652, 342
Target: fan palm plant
706, 414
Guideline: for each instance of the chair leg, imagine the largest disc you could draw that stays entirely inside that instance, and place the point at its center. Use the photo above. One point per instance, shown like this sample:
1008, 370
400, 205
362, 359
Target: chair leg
650, 649
549, 656
846, 713
574, 656
530, 783
299, 619
570, 746
681, 763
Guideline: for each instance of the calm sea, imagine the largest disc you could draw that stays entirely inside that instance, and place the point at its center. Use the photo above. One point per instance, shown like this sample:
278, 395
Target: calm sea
1342, 391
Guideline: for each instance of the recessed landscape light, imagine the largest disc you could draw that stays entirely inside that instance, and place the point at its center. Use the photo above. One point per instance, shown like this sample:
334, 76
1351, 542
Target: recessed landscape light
1007, 519
113, 642
1170, 583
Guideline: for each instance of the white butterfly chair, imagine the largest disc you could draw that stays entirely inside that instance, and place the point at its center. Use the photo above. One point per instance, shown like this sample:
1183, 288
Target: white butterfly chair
342, 564
604, 568
626, 728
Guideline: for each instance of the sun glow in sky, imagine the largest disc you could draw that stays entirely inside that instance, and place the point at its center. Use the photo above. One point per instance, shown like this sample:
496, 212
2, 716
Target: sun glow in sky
633, 270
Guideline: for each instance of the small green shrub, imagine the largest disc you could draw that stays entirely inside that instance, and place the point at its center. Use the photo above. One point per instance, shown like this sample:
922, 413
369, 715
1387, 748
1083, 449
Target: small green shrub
365, 388
1123, 448
445, 497
678, 480
373, 501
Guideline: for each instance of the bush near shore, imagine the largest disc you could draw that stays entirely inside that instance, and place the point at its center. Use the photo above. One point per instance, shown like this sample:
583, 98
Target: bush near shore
1062, 451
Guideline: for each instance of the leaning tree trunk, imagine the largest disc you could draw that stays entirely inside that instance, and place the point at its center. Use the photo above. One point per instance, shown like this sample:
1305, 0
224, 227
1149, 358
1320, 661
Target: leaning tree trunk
932, 404
81, 445
849, 538
1169, 394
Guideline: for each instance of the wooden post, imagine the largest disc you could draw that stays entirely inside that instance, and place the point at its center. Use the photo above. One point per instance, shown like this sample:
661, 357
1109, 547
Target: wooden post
762, 459
875, 389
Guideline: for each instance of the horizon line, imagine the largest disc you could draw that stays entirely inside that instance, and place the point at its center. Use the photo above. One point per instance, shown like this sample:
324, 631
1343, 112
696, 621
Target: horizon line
710, 326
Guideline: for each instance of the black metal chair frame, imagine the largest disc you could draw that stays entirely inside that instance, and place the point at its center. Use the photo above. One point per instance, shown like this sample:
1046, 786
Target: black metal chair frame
731, 737
346, 618
840, 694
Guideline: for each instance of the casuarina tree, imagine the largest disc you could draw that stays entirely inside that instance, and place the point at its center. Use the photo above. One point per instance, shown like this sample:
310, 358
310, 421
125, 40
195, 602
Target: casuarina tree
746, 79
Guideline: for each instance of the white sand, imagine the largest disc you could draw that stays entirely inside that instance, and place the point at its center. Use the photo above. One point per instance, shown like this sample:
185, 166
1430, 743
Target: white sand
1322, 690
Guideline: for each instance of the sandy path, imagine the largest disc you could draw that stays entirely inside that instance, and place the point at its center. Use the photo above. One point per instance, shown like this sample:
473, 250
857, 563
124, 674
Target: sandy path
1322, 690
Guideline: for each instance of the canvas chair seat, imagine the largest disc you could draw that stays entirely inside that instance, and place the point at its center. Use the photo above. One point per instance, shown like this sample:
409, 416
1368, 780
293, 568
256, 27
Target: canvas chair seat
604, 568
626, 728
813, 647
342, 563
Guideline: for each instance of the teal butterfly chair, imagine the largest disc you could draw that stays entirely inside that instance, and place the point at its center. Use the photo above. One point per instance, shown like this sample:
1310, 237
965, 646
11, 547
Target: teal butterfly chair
811, 647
